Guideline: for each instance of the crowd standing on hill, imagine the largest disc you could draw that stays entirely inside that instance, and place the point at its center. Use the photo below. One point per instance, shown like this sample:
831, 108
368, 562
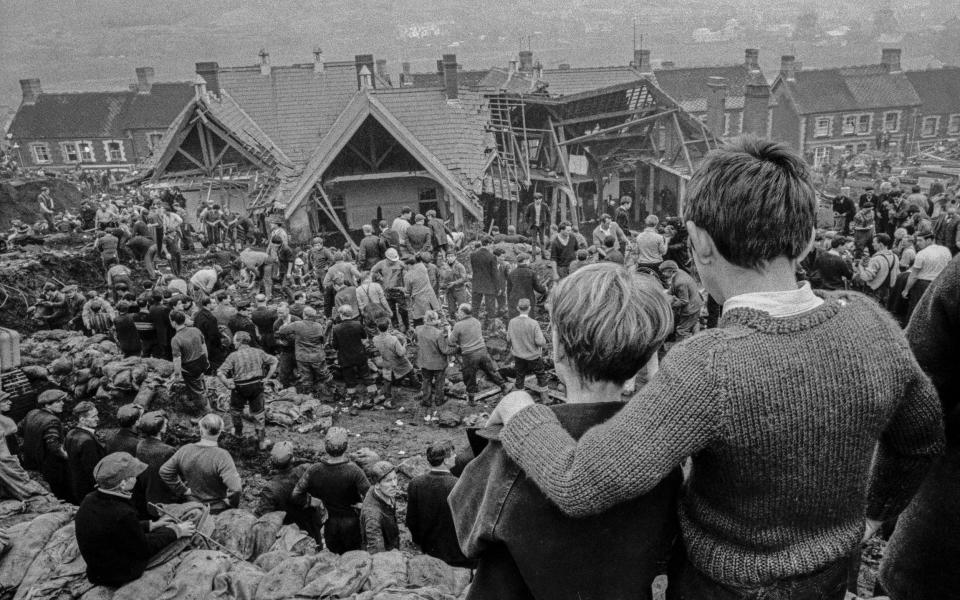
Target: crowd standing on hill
745, 455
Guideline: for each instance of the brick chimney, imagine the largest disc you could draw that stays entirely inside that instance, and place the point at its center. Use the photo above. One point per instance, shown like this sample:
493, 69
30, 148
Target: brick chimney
667, 64
382, 68
144, 79
641, 60
264, 62
788, 67
890, 58
365, 65
716, 104
756, 100
751, 59
318, 60
31, 89
210, 71
440, 67
451, 79
526, 60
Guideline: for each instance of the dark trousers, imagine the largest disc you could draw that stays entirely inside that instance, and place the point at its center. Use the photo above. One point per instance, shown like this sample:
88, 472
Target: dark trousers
342, 533
287, 369
479, 361
529, 367
489, 305
398, 305
432, 390
916, 292
829, 583
247, 393
353, 375
454, 299
329, 297
311, 375
57, 475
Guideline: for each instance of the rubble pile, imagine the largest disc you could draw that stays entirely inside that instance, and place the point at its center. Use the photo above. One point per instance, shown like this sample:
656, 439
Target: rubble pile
234, 555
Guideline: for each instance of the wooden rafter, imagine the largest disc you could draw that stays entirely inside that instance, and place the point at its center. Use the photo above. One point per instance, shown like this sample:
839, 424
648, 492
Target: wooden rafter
562, 157
189, 157
681, 139
619, 127
236, 146
333, 214
384, 155
359, 154
205, 148
604, 116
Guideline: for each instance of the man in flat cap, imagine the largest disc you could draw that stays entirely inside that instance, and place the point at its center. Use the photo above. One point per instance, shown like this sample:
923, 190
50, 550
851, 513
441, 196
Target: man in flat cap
152, 451
277, 495
43, 443
378, 516
126, 438
114, 543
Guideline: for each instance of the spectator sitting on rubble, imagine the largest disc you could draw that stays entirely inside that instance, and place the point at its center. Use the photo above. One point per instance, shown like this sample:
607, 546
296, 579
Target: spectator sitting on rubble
428, 512
378, 516
203, 472
150, 489
340, 485
753, 465
116, 546
83, 449
277, 495
126, 439
15, 483
43, 443
495, 504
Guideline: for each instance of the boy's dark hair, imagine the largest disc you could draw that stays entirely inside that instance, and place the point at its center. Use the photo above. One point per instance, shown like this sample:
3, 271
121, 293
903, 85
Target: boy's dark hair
205, 302
883, 239
177, 317
383, 324
608, 243
838, 241
756, 199
438, 452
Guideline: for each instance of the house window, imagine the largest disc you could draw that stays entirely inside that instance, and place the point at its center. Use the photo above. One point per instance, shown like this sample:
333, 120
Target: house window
863, 124
861, 148
929, 125
953, 126
428, 200
85, 149
41, 153
891, 121
821, 127
70, 153
849, 124
821, 155
858, 124
113, 150
153, 139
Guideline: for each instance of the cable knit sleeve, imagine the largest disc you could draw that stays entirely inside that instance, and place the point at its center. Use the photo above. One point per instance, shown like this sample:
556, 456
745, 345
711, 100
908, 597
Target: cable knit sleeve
677, 414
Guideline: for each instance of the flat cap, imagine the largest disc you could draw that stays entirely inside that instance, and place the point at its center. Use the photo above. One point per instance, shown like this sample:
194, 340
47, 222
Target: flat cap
114, 468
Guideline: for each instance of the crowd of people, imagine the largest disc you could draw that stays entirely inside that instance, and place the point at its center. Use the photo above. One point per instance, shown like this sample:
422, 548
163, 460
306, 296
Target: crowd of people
747, 460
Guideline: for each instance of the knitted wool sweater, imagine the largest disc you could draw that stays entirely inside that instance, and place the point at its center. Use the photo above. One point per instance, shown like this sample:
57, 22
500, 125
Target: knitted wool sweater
781, 417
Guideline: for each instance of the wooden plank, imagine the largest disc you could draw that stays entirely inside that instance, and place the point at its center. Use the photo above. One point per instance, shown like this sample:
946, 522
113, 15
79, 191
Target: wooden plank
682, 138
601, 116
192, 159
236, 146
334, 217
204, 149
359, 154
564, 159
619, 127
384, 156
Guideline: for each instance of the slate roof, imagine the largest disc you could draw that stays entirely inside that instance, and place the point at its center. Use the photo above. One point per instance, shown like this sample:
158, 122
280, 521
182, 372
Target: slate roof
850, 88
435, 80
72, 115
688, 86
564, 82
293, 105
939, 89
159, 108
455, 132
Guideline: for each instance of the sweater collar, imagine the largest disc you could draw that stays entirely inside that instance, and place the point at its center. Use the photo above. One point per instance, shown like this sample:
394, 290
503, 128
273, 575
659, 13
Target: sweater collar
828, 306
777, 305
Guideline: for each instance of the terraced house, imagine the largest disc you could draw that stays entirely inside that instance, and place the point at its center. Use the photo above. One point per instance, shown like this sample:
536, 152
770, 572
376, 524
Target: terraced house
115, 129
825, 113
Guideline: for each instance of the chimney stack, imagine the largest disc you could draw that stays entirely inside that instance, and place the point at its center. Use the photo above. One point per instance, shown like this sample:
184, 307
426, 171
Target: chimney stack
440, 67
751, 58
210, 72
317, 60
365, 65
667, 64
788, 67
144, 79
716, 104
451, 79
405, 78
264, 62
31, 89
382, 68
890, 58
526, 61
756, 107
641, 60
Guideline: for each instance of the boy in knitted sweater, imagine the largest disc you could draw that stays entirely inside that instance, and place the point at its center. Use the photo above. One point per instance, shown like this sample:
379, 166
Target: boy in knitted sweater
795, 433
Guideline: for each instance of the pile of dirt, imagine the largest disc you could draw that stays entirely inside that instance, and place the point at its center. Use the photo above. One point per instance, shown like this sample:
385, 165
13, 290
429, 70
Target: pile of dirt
18, 199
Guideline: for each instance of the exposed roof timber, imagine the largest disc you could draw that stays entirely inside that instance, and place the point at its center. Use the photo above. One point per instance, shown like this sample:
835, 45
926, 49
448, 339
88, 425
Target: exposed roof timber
621, 126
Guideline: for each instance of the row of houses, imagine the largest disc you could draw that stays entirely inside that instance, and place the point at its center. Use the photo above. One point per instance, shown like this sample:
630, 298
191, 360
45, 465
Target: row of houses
336, 144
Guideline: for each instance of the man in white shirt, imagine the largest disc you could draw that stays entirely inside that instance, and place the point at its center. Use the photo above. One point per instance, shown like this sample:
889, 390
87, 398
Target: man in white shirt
650, 245
930, 261
401, 224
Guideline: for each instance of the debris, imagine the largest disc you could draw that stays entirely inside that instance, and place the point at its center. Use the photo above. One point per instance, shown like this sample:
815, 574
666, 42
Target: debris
414, 466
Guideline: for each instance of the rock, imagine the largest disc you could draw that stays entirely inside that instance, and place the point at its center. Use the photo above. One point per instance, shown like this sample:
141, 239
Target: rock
365, 458
448, 418
414, 466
